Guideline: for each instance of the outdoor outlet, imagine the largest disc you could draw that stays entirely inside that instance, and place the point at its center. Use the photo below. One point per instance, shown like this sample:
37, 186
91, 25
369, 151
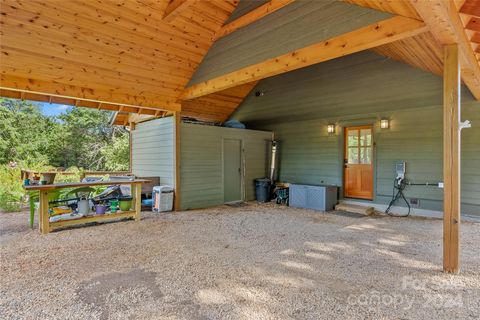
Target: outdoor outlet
415, 202
440, 184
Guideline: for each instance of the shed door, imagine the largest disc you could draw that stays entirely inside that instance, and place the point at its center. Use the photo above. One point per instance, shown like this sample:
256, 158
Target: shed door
232, 170
358, 173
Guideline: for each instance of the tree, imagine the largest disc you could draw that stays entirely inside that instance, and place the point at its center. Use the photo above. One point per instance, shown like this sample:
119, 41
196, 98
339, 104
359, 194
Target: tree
80, 137
24, 132
117, 153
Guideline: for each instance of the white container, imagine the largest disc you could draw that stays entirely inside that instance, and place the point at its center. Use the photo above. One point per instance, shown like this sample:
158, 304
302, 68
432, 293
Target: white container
162, 198
83, 207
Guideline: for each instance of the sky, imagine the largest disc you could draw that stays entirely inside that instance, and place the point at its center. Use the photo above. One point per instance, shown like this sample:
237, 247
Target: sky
53, 109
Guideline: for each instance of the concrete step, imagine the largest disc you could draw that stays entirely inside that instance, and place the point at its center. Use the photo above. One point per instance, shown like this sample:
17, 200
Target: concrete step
365, 210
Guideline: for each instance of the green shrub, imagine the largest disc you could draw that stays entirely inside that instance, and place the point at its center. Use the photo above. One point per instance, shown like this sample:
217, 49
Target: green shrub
11, 191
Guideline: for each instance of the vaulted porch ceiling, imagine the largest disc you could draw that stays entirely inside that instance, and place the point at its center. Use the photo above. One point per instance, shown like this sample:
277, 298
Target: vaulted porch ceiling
141, 56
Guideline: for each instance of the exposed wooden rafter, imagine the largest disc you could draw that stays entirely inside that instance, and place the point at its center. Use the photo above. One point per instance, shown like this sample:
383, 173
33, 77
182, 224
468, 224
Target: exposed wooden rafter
373, 35
26, 95
175, 8
47, 88
443, 19
252, 16
471, 7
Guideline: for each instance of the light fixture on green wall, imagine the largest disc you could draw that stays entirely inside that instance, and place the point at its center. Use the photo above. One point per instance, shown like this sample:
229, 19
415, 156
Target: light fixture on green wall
331, 128
384, 123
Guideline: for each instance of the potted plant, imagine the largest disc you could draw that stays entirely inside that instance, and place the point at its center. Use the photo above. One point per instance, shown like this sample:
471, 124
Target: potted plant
101, 208
125, 203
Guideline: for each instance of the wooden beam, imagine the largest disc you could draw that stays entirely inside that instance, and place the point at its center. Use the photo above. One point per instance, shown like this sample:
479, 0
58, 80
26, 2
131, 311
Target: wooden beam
471, 7
451, 158
130, 133
176, 8
373, 35
476, 37
473, 24
252, 16
444, 21
59, 90
178, 123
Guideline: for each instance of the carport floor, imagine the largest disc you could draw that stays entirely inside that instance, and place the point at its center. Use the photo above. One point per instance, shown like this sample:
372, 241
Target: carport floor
250, 262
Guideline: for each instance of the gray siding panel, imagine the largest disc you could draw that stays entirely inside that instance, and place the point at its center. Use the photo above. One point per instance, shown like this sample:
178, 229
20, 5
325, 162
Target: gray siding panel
153, 150
202, 162
244, 7
294, 26
362, 89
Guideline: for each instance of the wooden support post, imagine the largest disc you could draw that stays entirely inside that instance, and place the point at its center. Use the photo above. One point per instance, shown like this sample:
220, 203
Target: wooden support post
451, 159
44, 221
137, 193
178, 122
132, 127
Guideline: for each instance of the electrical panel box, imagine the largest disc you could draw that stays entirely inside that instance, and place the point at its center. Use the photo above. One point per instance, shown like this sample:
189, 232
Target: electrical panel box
400, 169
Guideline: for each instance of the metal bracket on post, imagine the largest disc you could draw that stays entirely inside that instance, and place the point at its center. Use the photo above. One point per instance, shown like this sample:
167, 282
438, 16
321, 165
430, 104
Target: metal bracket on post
465, 124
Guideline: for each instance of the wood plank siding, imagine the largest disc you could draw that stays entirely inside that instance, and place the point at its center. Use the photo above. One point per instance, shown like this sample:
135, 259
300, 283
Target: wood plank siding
297, 25
153, 150
357, 90
202, 162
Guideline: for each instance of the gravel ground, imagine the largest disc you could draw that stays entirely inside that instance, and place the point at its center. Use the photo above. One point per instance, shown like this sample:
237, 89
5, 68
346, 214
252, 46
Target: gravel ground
250, 262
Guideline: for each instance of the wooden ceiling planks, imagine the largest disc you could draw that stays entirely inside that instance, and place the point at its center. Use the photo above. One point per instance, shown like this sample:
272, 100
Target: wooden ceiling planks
217, 107
421, 51
470, 14
448, 27
126, 54
471, 7
398, 7
473, 24
116, 52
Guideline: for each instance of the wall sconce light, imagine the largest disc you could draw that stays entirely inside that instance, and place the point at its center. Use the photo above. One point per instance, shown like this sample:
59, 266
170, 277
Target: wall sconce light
384, 123
331, 128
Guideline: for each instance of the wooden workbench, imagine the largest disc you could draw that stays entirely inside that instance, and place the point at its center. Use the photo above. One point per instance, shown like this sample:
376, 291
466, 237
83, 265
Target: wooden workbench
46, 226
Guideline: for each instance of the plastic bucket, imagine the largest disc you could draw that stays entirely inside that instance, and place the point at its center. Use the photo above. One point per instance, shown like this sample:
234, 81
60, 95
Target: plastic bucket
125, 203
100, 209
262, 189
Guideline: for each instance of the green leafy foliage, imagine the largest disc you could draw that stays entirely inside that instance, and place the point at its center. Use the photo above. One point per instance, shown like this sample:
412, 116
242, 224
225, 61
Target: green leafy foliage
80, 139
24, 132
11, 192
117, 154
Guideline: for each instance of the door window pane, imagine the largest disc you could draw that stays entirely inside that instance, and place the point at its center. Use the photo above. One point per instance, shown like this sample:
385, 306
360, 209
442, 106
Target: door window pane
352, 138
353, 155
366, 155
365, 137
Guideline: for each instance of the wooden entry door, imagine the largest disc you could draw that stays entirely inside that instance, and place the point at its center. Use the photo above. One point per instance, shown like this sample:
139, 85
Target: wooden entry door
232, 170
358, 169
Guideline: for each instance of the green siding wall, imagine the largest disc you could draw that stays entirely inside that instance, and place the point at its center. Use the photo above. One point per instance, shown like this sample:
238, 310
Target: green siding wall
201, 169
153, 150
362, 89
243, 7
295, 26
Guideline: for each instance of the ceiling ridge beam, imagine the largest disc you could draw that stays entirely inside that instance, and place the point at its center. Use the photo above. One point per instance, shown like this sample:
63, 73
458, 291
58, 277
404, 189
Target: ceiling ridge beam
382, 32
252, 16
444, 21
